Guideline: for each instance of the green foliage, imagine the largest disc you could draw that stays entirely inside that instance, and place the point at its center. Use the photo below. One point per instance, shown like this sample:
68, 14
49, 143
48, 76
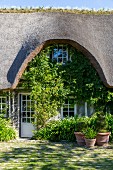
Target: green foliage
64, 129
81, 123
52, 83
83, 82
90, 133
6, 131
101, 122
109, 119
47, 87
58, 130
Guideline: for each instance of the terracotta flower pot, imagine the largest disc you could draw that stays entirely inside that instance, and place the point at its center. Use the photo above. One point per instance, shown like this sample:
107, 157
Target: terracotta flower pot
102, 139
80, 138
90, 142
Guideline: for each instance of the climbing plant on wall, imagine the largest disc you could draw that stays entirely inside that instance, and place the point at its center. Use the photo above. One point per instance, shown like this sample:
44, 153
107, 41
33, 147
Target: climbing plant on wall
47, 87
51, 83
83, 81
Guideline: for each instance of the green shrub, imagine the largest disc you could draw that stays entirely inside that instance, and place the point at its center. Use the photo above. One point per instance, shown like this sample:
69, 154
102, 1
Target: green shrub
90, 133
61, 129
57, 130
93, 119
82, 123
64, 129
109, 119
6, 131
102, 122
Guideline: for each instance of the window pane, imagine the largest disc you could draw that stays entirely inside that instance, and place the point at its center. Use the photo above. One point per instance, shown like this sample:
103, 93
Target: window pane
55, 53
60, 60
81, 110
32, 105
24, 114
71, 114
32, 120
64, 54
28, 114
32, 114
59, 54
24, 120
24, 97
65, 109
28, 120
64, 60
28, 97
71, 109
24, 106
3, 100
90, 110
28, 105
3, 105
65, 114
54, 59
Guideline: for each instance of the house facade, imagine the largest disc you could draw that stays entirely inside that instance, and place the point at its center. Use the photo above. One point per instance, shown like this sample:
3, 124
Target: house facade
24, 35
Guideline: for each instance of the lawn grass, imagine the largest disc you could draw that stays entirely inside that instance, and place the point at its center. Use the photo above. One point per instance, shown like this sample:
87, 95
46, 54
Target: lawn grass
44, 155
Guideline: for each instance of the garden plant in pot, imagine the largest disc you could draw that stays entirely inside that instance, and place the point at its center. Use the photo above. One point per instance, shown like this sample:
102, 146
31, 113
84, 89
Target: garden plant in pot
102, 138
90, 137
80, 126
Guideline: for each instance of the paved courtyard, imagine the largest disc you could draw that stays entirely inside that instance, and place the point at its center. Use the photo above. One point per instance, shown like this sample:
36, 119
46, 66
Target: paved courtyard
30, 154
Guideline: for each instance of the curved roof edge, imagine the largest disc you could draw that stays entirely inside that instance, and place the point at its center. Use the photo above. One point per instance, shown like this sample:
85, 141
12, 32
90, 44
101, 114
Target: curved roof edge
48, 42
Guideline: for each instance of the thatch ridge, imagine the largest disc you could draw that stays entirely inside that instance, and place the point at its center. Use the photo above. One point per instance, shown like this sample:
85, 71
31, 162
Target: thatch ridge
51, 9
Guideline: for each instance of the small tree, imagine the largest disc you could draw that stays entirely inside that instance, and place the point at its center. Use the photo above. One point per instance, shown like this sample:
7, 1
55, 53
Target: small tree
47, 88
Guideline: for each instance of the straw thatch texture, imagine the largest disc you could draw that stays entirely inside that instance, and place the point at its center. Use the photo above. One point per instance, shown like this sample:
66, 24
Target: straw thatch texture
22, 36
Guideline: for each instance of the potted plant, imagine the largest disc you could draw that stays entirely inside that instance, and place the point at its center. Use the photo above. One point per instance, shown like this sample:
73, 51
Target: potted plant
90, 137
80, 126
102, 138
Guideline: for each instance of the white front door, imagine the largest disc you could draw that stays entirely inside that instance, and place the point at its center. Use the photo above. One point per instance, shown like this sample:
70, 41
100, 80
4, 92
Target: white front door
27, 118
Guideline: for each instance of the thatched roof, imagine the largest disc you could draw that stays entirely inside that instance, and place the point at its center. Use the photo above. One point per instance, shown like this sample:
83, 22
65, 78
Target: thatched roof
22, 35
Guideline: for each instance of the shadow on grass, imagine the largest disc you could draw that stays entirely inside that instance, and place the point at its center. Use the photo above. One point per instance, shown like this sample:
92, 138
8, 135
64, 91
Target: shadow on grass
53, 156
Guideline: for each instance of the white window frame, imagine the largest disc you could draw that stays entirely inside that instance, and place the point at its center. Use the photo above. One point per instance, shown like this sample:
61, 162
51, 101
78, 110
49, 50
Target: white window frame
67, 53
68, 110
31, 111
75, 110
3, 103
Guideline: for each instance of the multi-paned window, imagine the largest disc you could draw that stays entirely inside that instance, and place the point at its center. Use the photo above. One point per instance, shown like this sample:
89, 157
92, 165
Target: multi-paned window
27, 110
3, 105
70, 109
60, 53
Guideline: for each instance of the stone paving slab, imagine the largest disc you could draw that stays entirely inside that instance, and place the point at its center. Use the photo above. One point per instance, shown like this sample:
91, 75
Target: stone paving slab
44, 155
